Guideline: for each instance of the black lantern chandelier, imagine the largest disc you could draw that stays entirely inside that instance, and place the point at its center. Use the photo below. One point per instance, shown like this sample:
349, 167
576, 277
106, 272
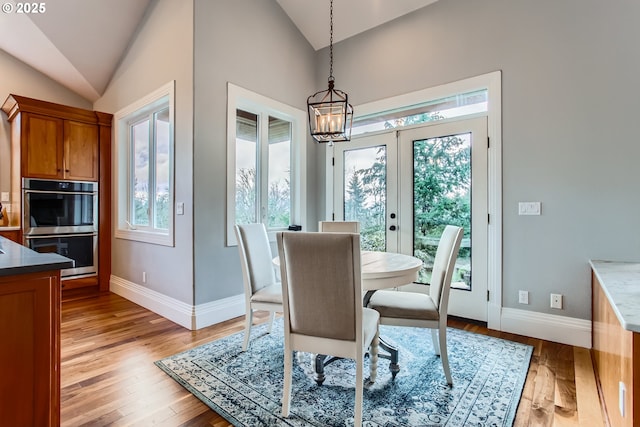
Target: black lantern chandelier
330, 114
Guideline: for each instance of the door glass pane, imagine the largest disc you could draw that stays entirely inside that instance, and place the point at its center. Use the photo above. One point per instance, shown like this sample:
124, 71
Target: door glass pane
442, 196
140, 196
365, 194
162, 209
246, 155
279, 171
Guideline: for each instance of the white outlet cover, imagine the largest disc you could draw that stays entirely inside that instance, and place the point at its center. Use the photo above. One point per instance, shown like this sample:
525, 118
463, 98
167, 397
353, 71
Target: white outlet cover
529, 208
523, 297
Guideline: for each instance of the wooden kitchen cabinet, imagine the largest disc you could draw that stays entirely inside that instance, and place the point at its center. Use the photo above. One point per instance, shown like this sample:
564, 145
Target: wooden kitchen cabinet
54, 148
30, 361
60, 142
13, 235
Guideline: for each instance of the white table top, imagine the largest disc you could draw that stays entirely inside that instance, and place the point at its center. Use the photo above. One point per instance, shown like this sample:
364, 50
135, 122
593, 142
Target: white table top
382, 270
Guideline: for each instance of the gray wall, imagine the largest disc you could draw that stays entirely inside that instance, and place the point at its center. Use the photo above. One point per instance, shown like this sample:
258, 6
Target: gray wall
20, 79
162, 51
252, 44
569, 94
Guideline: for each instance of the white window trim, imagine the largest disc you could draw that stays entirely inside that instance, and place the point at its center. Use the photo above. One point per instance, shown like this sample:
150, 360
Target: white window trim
123, 172
240, 98
493, 83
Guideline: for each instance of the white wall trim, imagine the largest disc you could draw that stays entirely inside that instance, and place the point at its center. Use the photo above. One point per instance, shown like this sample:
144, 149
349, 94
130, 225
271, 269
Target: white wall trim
186, 315
550, 327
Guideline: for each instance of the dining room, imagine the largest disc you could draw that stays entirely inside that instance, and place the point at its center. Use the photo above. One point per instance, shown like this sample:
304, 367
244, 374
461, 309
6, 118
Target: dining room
528, 123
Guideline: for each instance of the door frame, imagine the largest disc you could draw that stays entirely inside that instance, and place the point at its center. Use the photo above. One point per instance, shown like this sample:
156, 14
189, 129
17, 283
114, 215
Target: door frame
492, 82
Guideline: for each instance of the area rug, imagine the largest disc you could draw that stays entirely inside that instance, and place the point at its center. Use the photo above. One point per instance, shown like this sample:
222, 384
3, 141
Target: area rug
246, 387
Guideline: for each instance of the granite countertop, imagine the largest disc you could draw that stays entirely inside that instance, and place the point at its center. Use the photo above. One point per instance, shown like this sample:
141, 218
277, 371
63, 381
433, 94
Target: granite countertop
18, 259
621, 284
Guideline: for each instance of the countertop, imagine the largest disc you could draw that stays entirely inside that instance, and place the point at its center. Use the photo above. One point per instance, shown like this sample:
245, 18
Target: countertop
621, 284
17, 259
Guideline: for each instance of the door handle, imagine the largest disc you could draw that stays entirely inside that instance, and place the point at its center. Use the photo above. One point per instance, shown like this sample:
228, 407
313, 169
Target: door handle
393, 228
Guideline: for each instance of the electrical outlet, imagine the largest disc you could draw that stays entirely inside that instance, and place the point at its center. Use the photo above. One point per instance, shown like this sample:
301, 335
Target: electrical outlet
556, 301
523, 297
529, 208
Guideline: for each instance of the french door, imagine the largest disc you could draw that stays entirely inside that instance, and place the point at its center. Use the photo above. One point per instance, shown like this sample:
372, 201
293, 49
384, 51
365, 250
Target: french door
405, 186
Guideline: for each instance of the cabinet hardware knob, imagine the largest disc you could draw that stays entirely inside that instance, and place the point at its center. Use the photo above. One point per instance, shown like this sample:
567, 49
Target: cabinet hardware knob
393, 228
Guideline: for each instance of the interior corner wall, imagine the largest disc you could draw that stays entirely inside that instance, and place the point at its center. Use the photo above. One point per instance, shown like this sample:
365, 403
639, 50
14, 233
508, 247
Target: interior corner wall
21, 79
161, 51
254, 45
569, 73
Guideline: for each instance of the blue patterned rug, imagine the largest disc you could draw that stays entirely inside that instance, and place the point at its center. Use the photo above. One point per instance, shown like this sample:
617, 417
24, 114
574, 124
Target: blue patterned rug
246, 388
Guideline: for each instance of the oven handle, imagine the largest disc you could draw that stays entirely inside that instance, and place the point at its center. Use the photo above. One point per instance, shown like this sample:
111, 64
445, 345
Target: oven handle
90, 193
48, 236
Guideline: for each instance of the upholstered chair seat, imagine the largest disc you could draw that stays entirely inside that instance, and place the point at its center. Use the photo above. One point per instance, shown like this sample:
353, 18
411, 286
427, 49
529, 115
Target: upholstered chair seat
404, 305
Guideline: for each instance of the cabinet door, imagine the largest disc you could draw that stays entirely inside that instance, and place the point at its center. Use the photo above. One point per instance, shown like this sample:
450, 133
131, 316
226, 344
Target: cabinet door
42, 147
30, 351
80, 151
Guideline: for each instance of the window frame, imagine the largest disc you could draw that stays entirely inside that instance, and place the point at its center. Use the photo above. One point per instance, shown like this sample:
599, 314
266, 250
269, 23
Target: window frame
125, 119
264, 107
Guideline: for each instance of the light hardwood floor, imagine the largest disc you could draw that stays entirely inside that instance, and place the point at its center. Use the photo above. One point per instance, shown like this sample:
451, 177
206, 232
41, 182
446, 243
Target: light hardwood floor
108, 377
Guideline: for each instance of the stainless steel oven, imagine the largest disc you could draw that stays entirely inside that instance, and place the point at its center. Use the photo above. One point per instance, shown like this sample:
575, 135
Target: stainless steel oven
54, 207
82, 248
62, 217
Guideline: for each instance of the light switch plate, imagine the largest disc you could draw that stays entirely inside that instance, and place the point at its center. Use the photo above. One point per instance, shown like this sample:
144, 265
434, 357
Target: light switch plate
180, 208
529, 208
4, 196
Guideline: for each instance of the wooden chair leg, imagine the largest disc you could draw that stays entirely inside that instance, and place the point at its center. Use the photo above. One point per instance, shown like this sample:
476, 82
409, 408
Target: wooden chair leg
357, 412
272, 316
248, 320
373, 360
286, 387
436, 342
444, 356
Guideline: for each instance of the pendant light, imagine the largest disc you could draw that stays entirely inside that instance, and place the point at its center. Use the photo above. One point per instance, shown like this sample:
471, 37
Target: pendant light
330, 114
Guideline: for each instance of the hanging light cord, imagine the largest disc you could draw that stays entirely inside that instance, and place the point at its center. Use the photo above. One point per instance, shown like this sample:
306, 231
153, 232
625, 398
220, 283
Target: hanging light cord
331, 79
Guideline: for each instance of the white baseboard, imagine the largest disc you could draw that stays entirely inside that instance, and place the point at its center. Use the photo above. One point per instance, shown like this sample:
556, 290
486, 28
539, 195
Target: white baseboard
550, 327
186, 315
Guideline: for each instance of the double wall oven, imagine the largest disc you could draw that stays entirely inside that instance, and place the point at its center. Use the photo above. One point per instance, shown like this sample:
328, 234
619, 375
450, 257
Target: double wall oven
62, 217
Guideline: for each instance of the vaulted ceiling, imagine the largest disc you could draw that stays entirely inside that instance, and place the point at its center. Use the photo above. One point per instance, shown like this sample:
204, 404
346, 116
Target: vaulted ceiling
79, 43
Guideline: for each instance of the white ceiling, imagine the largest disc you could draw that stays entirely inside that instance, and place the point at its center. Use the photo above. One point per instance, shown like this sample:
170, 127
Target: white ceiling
79, 43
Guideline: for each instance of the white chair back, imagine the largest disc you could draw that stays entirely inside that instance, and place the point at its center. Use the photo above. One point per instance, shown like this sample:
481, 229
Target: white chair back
444, 266
255, 256
339, 226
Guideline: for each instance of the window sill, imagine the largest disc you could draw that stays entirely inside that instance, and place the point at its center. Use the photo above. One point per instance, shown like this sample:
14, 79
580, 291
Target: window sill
146, 237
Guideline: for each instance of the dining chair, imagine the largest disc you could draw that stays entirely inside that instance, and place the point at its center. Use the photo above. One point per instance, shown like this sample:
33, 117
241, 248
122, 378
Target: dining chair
339, 226
400, 308
322, 302
262, 290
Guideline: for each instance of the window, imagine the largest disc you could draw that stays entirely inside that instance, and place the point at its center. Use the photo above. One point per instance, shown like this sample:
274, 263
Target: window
454, 106
144, 169
265, 149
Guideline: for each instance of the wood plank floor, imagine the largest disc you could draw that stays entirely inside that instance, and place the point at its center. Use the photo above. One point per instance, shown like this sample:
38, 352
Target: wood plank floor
108, 377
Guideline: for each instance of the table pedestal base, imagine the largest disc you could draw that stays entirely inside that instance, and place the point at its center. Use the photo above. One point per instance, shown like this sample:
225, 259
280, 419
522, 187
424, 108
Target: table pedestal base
322, 360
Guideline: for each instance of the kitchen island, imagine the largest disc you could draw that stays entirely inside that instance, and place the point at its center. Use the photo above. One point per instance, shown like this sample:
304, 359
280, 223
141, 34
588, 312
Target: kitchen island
30, 335
616, 338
